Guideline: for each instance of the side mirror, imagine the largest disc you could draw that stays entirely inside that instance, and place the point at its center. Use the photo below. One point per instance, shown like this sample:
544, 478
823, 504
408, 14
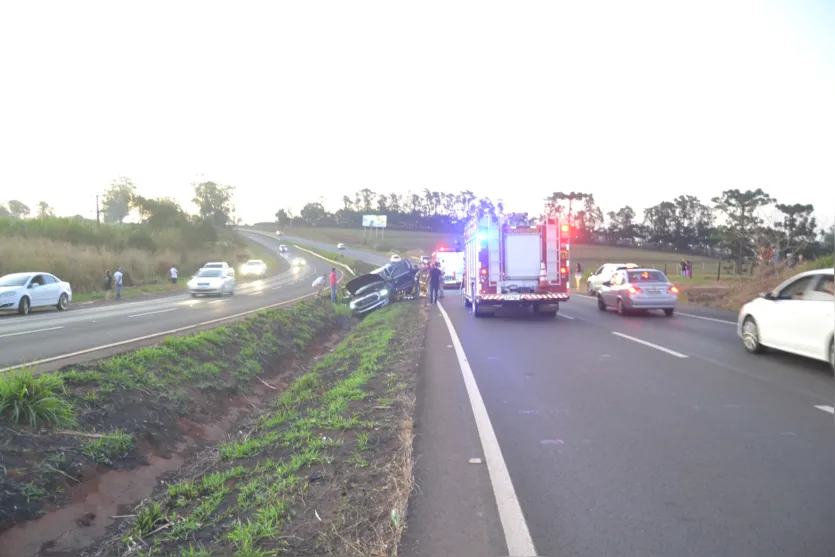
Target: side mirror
33, 285
767, 296
607, 283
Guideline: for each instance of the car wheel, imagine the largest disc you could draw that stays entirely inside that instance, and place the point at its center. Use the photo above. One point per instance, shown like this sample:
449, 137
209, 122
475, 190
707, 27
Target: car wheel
24, 306
669, 312
193, 295
63, 302
621, 308
832, 355
589, 289
601, 305
751, 336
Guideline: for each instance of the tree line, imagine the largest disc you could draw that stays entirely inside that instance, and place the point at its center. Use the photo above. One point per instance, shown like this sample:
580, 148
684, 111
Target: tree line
738, 225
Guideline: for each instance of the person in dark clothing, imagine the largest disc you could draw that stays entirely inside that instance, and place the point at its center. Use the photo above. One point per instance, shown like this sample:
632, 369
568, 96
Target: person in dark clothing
108, 284
434, 282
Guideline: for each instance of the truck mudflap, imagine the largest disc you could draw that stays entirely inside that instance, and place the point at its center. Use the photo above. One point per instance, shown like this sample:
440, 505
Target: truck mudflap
525, 297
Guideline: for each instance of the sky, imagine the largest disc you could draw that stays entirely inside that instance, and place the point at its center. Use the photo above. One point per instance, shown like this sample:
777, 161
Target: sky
635, 102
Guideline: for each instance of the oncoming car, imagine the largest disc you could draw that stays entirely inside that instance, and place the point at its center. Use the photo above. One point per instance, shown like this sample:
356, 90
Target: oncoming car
23, 291
254, 268
212, 282
299, 262
282, 248
220, 265
797, 317
340, 246
638, 290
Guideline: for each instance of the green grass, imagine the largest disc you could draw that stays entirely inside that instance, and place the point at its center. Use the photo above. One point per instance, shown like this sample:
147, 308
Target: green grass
247, 498
110, 447
359, 267
36, 400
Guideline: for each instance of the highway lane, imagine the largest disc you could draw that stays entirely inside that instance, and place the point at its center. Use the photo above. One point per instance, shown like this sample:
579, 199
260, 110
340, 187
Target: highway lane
368, 257
48, 335
666, 438
620, 448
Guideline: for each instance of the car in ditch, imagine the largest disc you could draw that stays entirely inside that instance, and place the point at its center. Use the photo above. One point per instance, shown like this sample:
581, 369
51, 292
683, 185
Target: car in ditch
376, 289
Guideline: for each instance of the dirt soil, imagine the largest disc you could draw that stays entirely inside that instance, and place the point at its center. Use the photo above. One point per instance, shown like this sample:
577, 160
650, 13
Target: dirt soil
734, 294
142, 416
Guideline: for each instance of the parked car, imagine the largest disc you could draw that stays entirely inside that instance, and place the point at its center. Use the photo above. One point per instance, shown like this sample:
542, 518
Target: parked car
212, 281
282, 248
254, 268
340, 246
374, 290
395, 258
638, 290
23, 291
798, 317
219, 265
604, 273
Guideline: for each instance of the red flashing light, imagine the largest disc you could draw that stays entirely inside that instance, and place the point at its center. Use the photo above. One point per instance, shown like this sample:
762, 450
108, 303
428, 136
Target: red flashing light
563, 270
564, 228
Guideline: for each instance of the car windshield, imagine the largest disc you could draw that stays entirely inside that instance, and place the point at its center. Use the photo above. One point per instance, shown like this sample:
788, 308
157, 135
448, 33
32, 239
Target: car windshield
209, 273
212, 266
646, 276
16, 279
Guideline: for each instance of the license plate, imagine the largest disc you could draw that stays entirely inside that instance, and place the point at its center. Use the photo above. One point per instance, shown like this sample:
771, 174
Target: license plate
512, 297
654, 291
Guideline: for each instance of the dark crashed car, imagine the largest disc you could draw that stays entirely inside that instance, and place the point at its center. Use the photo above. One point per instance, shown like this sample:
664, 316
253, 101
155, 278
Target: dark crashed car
375, 289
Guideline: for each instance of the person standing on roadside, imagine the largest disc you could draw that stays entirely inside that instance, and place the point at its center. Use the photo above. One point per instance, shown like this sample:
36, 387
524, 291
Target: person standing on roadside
117, 278
434, 283
578, 274
319, 283
108, 284
333, 282
173, 274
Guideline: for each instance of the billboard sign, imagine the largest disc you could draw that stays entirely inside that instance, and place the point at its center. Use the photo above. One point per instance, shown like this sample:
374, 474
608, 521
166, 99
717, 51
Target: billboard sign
374, 221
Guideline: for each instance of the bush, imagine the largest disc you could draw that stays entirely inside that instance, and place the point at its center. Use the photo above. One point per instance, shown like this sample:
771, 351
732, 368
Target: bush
35, 400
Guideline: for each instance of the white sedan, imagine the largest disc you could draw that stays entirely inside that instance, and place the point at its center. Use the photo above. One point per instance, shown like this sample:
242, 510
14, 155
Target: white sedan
254, 268
23, 291
212, 281
798, 317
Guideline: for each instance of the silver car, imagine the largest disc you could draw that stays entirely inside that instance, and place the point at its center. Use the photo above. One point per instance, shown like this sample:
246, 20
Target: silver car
638, 290
212, 281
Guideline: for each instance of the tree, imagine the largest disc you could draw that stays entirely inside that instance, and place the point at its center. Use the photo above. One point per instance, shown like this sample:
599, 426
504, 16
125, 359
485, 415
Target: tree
160, 213
4, 211
622, 224
742, 220
798, 225
214, 202
117, 200
44, 210
367, 198
593, 217
18, 209
394, 203
282, 218
382, 203
314, 213
347, 204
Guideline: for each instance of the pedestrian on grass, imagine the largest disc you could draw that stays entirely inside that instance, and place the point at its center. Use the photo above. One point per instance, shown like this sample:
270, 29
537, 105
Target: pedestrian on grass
683, 267
319, 283
117, 278
578, 274
333, 282
173, 273
108, 284
434, 283
689, 271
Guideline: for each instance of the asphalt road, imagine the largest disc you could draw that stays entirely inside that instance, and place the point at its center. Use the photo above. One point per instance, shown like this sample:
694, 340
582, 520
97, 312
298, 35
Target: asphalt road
50, 334
372, 258
685, 446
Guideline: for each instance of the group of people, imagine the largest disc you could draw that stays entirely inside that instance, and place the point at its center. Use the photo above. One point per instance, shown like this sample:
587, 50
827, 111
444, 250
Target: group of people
686, 269
430, 275
111, 280
320, 283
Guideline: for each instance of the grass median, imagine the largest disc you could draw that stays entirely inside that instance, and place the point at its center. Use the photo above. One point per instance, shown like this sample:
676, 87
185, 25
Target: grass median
359, 267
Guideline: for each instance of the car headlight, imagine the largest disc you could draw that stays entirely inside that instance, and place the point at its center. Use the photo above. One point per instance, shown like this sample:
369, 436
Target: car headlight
384, 292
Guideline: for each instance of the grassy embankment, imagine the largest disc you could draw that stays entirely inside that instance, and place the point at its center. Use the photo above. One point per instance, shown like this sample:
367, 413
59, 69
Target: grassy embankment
317, 461
79, 252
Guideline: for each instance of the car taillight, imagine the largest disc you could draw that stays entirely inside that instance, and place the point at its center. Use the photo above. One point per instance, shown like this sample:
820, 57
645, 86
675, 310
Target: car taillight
674, 289
563, 270
634, 290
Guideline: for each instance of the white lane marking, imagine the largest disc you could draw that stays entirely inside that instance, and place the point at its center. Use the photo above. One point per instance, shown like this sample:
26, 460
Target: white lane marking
29, 332
707, 318
564, 316
219, 301
829, 409
516, 533
153, 312
651, 345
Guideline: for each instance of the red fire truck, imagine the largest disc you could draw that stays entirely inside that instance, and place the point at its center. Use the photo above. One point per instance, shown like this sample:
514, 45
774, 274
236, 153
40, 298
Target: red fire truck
516, 266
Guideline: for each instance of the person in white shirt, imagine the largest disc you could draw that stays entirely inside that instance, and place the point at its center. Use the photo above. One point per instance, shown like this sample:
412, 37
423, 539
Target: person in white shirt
319, 282
117, 279
174, 274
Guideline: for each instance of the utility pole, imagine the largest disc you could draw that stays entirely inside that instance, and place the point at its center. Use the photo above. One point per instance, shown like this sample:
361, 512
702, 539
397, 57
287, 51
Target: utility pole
98, 213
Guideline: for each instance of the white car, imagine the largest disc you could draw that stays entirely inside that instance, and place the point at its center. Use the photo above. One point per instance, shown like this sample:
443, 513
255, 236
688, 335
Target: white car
340, 246
219, 265
23, 291
212, 281
282, 248
603, 274
299, 262
798, 317
395, 258
254, 268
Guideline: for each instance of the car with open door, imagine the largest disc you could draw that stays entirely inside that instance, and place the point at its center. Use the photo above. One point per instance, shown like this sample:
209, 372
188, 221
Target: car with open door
797, 317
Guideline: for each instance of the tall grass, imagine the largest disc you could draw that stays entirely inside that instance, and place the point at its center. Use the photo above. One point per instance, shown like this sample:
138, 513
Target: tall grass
79, 251
35, 400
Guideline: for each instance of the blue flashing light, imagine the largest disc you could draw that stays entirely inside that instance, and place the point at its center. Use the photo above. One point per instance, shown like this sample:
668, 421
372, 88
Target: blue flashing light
482, 236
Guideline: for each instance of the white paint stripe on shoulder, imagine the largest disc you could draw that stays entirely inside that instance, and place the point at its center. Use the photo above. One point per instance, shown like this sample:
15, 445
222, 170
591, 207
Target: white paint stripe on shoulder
829, 409
707, 318
153, 312
30, 332
516, 533
651, 345
564, 316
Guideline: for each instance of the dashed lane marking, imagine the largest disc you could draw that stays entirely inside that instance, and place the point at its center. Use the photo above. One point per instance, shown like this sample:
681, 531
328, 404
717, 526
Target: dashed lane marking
651, 345
153, 312
30, 332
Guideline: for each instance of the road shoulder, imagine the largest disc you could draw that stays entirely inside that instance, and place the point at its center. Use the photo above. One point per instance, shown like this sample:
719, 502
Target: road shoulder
452, 510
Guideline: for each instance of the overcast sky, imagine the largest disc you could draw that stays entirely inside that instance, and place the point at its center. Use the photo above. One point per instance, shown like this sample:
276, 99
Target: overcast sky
636, 102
